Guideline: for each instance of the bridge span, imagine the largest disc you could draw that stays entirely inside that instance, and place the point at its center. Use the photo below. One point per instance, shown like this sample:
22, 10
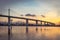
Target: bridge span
27, 20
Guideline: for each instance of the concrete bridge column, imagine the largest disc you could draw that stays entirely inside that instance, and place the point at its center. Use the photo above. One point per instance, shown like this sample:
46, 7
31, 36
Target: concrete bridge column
40, 22
36, 22
26, 22
26, 25
36, 25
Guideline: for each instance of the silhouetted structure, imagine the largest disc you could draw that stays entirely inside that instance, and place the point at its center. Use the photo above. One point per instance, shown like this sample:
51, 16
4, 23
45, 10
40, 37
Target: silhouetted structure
27, 23
27, 19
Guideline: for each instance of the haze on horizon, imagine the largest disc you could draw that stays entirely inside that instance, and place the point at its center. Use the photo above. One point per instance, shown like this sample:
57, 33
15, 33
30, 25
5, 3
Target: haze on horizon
49, 8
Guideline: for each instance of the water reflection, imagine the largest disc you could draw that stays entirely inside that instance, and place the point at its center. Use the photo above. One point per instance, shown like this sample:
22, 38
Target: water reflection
9, 33
30, 33
57, 37
26, 30
36, 29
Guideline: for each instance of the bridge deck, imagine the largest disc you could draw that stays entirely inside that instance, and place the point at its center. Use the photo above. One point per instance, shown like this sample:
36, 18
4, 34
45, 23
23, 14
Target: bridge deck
24, 18
20, 18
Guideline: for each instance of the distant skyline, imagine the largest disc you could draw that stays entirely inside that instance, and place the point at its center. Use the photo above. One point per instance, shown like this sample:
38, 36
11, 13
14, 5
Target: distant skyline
49, 8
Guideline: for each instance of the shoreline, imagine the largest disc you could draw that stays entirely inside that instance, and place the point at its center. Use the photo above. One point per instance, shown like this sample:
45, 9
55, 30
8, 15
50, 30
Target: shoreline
33, 25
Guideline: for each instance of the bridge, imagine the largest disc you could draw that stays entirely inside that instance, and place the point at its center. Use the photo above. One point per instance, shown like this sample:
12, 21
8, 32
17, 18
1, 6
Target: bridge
45, 23
42, 23
27, 20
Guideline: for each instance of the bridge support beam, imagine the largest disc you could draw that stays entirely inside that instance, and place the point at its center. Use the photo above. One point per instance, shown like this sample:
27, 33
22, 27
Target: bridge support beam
26, 25
36, 23
40, 22
26, 22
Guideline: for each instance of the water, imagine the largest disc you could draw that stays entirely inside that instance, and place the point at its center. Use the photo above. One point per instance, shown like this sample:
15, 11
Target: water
33, 33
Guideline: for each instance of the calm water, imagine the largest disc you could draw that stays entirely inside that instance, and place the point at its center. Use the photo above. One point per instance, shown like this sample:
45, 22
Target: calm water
20, 33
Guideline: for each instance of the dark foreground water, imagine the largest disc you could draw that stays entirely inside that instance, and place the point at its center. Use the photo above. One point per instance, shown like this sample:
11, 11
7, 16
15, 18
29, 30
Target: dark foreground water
20, 33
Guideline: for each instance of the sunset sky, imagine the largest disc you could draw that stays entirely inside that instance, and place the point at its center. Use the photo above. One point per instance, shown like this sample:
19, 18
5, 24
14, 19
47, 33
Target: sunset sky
49, 8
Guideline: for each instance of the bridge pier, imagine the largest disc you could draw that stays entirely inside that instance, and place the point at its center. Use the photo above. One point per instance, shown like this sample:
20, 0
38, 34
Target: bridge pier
36, 25
40, 22
26, 22
26, 25
9, 29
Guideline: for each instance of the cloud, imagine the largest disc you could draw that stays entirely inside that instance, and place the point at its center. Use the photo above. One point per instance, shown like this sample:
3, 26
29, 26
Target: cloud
31, 15
43, 16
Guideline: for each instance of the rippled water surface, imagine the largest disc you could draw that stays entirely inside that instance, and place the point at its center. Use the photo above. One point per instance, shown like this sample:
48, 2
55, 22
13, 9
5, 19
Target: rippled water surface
33, 33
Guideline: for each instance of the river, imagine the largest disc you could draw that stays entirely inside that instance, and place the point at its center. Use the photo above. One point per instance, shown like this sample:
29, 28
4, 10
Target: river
33, 33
